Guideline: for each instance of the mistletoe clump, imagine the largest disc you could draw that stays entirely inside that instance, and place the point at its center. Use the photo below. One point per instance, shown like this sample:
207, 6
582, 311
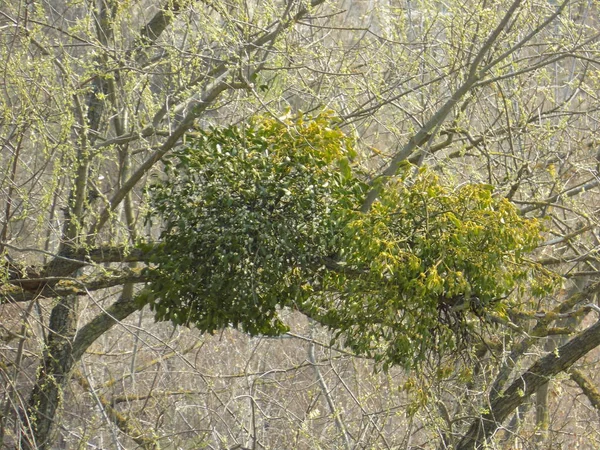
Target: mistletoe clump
250, 214
433, 262
267, 215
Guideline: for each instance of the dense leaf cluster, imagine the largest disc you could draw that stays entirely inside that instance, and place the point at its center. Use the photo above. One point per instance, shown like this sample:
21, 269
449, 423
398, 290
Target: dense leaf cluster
266, 216
432, 261
249, 215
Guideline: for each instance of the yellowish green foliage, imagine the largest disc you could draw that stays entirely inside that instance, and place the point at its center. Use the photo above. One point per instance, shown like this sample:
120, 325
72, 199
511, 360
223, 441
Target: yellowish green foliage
429, 262
266, 216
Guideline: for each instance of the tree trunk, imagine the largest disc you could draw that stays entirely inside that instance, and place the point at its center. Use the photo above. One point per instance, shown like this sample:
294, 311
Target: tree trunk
65, 348
52, 376
542, 417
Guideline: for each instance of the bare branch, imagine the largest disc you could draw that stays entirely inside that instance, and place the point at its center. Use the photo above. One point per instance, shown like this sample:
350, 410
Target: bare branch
526, 384
587, 387
423, 135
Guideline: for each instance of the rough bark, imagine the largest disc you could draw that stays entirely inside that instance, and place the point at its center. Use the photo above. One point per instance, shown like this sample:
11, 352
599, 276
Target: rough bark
527, 384
587, 387
103, 322
52, 376
65, 348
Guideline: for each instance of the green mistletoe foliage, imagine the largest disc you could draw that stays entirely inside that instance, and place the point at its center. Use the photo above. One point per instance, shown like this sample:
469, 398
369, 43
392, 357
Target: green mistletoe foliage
432, 261
265, 216
250, 213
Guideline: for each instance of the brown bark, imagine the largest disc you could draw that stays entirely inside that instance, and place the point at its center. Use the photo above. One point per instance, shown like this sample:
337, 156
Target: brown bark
587, 387
65, 348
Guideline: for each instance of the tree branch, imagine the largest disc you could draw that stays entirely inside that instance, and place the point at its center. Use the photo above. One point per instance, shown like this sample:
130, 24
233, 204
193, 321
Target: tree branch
525, 385
196, 108
587, 387
103, 322
424, 134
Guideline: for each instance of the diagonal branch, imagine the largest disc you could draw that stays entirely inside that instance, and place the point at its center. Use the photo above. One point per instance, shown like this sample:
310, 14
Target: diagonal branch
474, 74
525, 385
195, 108
424, 134
160, 21
123, 423
587, 387
103, 322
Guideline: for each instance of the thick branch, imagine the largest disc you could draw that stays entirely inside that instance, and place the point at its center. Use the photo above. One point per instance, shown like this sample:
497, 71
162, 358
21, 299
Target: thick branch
27, 289
525, 385
160, 21
103, 322
26, 283
587, 387
424, 134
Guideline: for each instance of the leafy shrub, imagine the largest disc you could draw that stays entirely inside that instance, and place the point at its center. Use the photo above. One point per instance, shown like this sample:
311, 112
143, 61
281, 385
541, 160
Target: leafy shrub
250, 213
266, 215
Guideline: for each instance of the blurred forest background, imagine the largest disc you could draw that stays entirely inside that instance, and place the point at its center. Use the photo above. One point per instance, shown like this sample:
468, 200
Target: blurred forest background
96, 93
